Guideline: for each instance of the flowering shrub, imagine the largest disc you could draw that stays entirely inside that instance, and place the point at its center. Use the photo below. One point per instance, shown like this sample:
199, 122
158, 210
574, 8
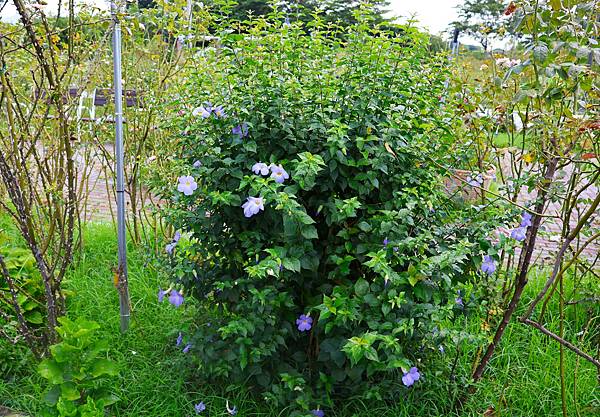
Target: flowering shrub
316, 242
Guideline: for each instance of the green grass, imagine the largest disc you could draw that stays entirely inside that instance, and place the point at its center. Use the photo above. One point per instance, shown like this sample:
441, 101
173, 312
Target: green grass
505, 140
155, 380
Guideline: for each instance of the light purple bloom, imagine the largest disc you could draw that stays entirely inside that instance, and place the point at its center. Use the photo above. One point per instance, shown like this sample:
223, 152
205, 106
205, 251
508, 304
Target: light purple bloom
219, 112
186, 349
253, 206
519, 233
411, 377
177, 236
203, 111
260, 168
526, 219
318, 413
475, 181
304, 323
240, 130
278, 173
161, 294
175, 298
169, 248
187, 185
441, 349
459, 301
200, 407
489, 265
179, 339
385, 242
197, 164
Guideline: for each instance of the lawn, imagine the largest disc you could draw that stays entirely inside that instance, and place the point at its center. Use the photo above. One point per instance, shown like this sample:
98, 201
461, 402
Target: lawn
523, 379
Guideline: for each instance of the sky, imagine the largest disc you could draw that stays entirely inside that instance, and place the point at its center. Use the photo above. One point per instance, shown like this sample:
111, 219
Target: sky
434, 15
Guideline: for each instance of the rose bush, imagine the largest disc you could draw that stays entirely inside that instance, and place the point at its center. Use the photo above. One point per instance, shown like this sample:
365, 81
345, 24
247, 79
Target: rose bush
315, 236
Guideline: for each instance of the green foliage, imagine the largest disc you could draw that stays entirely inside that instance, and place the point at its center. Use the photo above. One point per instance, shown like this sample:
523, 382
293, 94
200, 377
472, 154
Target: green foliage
350, 124
22, 270
339, 12
78, 372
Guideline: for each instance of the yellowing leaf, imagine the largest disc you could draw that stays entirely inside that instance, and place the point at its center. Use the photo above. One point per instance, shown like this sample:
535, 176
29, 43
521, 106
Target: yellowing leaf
389, 149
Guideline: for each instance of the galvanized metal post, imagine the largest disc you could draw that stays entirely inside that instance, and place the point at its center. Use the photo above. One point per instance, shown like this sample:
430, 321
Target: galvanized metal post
189, 13
122, 286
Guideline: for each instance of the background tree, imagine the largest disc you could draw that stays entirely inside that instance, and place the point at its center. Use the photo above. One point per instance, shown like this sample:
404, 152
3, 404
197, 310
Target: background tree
482, 19
338, 11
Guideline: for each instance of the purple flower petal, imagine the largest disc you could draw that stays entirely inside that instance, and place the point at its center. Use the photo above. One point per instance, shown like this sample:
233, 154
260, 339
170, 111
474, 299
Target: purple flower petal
179, 339
200, 407
260, 168
304, 323
519, 234
489, 265
252, 206
175, 298
410, 377
240, 130
187, 185
278, 173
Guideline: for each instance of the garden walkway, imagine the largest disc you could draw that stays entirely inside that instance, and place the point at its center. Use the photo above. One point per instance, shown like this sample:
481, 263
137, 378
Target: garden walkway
101, 206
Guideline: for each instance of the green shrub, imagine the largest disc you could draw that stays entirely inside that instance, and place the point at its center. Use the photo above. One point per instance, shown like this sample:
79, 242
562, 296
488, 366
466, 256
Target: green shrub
78, 372
356, 239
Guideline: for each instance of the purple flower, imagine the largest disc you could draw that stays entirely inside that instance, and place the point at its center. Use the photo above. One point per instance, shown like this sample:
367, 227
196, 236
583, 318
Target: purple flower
304, 322
253, 206
475, 181
240, 130
459, 301
197, 164
176, 236
161, 294
385, 242
526, 219
489, 265
411, 377
200, 407
175, 298
179, 339
519, 233
278, 173
187, 185
441, 349
186, 349
318, 413
219, 112
203, 111
169, 248
260, 168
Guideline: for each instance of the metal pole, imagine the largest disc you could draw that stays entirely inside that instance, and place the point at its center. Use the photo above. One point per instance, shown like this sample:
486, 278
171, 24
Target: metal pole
189, 10
122, 285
